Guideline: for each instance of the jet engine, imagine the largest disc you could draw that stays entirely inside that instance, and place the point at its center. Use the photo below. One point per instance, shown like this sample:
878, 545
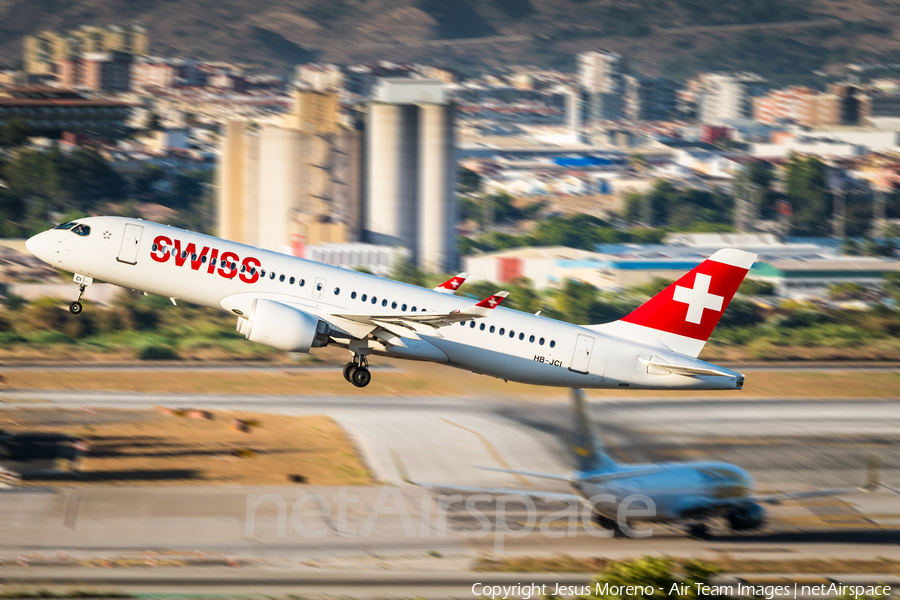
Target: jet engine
746, 516
284, 327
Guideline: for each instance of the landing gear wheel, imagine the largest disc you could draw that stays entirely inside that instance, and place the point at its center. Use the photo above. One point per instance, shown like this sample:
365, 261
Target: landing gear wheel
698, 531
360, 376
347, 368
75, 308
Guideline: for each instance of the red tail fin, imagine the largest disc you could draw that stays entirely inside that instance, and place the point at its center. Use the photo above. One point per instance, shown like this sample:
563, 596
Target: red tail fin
683, 316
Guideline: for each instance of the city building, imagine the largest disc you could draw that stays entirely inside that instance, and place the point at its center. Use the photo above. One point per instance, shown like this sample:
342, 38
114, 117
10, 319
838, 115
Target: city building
725, 97
649, 98
287, 185
43, 51
149, 72
379, 260
319, 77
411, 173
97, 71
50, 111
601, 76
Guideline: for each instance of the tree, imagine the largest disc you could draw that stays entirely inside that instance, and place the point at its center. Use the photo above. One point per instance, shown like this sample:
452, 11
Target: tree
404, 270
468, 181
810, 198
14, 132
658, 574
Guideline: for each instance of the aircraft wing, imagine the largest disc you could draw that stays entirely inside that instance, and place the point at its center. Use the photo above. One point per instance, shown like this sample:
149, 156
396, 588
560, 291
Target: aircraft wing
451, 285
401, 469
779, 498
555, 476
415, 321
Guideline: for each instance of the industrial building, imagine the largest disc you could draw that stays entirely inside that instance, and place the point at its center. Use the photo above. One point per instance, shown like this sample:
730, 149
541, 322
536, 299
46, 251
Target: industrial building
282, 187
411, 153
728, 97
797, 268
51, 111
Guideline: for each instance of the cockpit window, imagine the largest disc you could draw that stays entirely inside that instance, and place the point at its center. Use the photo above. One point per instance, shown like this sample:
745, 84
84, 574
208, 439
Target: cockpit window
83, 230
68, 225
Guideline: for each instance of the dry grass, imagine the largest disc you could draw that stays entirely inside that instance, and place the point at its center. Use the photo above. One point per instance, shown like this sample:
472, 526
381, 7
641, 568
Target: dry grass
805, 566
419, 379
149, 448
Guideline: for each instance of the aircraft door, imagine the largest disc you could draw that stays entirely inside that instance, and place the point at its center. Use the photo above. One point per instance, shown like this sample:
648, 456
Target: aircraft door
319, 288
581, 359
131, 243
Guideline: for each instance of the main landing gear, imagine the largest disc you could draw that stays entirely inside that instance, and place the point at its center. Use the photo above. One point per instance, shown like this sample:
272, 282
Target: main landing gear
357, 371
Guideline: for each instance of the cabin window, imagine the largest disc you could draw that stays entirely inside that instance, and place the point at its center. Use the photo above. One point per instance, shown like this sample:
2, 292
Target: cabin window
552, 343
502, 331
194, 258
481, 327
291, 281
393, 305
403, 308
155, 247
541, 341
384, 302
462, 323
374, 299
82, 230
243, 268
363, 298
413, 309
68, 225
521, 336
212, 261
512, 333
272, 275
302, 282
203, 260
353, 295
492, 329
472, 324
281, 278
531, 339
234, 266
318, 287
262, 272
337, 291
184, 254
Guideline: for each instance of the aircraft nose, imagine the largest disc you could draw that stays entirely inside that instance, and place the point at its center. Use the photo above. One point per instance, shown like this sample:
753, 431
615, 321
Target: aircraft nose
40, 245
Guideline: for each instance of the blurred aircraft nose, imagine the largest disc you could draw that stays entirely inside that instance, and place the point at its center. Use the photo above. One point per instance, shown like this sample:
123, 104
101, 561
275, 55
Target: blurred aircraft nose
40, 245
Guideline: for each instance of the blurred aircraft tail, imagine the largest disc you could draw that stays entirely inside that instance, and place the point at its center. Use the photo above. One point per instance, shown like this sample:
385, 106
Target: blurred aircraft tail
590, 454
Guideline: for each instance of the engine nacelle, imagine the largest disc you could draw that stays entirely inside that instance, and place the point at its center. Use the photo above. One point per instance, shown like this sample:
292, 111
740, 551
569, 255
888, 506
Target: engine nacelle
746, 516
284, 327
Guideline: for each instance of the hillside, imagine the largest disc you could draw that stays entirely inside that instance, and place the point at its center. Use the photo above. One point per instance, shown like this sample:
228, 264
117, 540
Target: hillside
278, 33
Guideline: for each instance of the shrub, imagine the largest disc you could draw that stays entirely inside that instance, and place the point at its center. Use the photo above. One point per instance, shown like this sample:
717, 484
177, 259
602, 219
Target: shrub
46, 338
157, 352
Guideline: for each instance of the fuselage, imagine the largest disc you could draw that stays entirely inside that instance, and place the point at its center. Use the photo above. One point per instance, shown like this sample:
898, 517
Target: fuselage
678, 491
228, 276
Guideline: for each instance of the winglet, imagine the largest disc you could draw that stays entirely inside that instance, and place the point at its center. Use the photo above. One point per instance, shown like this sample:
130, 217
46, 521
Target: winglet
451, 285
484, 308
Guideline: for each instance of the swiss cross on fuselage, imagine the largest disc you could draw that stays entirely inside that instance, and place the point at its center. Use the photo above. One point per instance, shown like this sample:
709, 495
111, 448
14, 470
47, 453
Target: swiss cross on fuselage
698, 298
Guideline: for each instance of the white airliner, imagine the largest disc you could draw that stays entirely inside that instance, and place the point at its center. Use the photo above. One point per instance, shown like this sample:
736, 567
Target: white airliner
693, 492
295, 305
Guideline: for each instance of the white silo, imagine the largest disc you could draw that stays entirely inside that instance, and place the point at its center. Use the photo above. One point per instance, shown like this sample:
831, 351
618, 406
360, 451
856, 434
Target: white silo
437, 179
392, 172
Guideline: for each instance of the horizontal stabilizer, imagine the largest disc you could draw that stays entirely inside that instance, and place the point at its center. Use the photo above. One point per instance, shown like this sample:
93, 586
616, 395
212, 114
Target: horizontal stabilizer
657, 366
451, 285
484, 308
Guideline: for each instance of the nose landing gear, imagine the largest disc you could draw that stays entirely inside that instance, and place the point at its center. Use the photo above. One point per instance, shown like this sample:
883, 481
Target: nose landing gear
76, 307
357, 371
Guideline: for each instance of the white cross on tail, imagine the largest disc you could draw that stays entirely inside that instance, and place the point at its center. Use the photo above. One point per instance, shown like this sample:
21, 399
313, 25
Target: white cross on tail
698, 298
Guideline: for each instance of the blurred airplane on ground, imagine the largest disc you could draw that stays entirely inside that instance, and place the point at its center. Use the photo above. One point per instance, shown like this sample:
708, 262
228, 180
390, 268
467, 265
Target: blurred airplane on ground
693, 492
295, 305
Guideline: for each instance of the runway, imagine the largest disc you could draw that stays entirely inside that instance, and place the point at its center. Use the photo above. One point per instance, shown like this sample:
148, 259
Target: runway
786, 444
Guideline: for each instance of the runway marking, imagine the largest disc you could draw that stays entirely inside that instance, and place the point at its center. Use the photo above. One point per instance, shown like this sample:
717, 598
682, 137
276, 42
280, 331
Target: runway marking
72, 507
491, 450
